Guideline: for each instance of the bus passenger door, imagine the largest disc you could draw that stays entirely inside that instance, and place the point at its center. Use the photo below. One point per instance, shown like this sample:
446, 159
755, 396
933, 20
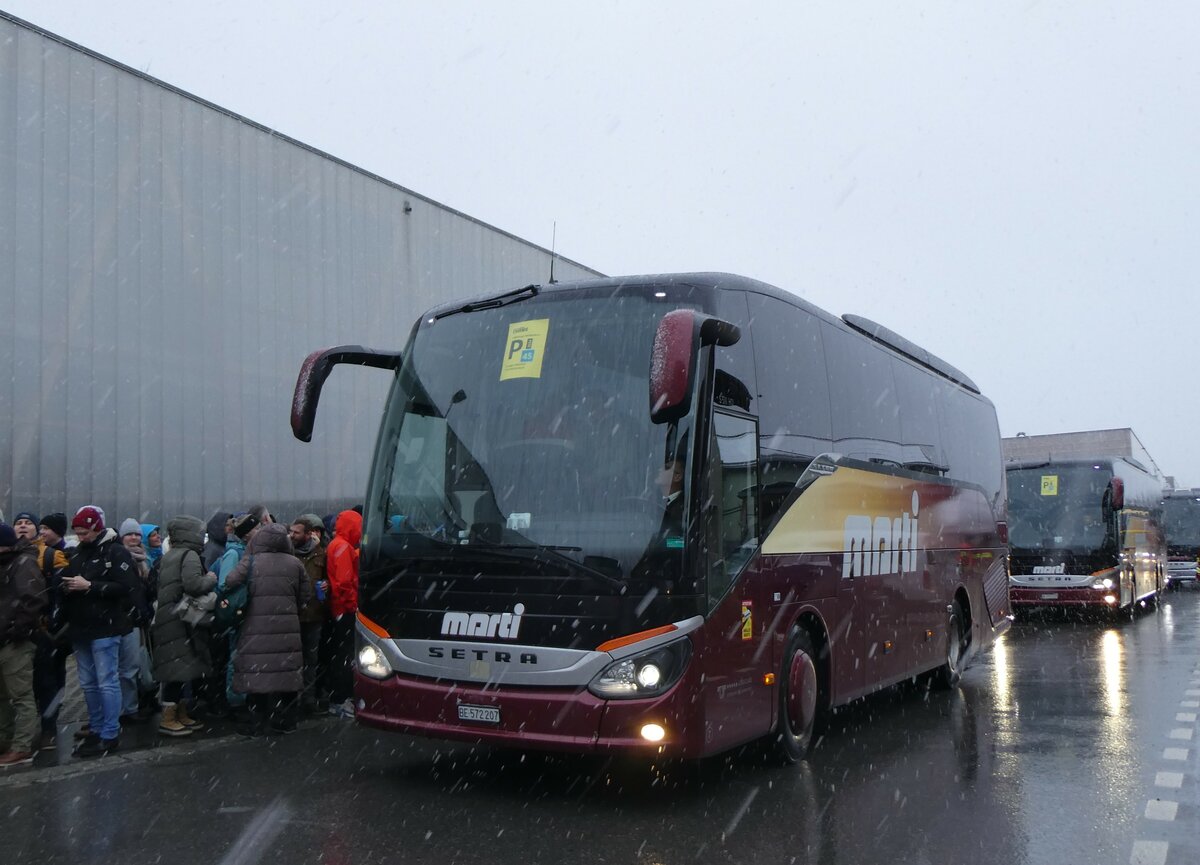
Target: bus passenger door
737, 705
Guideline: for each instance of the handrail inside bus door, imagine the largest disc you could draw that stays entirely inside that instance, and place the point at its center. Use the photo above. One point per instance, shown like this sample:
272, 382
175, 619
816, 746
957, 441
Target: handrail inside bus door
316, 369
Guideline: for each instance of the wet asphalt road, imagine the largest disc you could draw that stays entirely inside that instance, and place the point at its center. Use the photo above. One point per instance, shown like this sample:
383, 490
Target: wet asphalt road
1070, 742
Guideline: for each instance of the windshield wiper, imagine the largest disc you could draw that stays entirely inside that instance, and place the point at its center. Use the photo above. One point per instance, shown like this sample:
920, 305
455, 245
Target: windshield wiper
492, 302
554, 553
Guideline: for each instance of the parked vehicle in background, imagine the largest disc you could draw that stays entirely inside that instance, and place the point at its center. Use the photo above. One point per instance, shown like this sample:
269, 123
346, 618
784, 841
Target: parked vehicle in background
1181, 516
666, 514
1085, 533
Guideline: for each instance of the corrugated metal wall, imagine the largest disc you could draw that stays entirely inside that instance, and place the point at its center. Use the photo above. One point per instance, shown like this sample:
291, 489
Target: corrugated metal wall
165, 266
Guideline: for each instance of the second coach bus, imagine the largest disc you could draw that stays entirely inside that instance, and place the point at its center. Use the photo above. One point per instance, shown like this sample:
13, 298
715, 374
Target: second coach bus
1085, 533
1181, 522
668, 514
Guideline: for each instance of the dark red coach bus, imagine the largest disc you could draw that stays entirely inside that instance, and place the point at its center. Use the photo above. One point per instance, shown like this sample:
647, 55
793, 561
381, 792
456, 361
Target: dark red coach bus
1085, 533
666, 514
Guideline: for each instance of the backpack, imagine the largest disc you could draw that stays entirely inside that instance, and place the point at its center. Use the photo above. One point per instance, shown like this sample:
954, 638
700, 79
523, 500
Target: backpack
232, 602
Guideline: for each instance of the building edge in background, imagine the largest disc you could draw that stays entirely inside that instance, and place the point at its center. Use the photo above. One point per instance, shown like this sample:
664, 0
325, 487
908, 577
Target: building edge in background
170, 263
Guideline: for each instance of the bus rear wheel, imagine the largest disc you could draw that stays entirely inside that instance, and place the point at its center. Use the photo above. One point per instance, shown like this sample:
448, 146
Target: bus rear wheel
800, 698
948, 675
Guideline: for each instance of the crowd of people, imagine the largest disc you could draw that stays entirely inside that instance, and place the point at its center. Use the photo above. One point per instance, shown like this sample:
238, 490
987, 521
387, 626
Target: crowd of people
242, 617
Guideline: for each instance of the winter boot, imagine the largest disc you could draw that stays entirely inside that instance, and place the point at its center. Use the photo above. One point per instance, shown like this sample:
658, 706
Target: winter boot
182, 716
169, 725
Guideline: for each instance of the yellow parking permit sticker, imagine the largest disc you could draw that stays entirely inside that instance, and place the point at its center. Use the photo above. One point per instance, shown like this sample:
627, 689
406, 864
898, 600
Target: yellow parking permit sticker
747, 620
1049, 485
524, 350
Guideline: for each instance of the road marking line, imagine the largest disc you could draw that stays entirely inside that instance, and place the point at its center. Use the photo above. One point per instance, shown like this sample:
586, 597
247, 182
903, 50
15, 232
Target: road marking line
1174, 780
1161, 809
1178, 754
1190, 704
1186, 717
1149, 853
1192, 692
1182, 733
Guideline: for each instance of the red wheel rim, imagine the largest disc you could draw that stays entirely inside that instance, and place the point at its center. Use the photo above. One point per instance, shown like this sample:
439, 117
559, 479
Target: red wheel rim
802, 693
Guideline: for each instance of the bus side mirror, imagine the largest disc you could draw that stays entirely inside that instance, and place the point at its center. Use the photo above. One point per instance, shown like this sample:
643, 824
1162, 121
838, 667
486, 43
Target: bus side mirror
1116, 494
677, 342
316, 369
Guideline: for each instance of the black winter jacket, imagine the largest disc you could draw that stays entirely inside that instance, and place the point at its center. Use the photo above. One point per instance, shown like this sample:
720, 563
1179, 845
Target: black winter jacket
103, 610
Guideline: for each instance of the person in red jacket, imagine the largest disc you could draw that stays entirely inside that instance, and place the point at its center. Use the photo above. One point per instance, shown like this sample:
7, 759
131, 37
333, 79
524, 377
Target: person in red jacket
341, 569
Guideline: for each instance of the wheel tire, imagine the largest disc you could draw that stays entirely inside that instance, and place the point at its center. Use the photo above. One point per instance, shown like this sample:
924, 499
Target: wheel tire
947, 676
801, 701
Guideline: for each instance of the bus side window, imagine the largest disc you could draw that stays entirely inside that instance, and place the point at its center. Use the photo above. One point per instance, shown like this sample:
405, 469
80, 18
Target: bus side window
731, 525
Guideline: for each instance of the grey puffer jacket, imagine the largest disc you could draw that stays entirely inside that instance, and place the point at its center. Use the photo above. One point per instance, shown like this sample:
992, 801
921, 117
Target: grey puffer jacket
269, 659
180, 652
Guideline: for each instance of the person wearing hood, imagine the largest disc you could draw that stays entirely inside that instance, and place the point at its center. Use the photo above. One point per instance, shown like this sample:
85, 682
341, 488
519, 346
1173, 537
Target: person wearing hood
96, 606
268, 664
341, 566
132, 660
181, 651
220, 526
22, 596
152, 541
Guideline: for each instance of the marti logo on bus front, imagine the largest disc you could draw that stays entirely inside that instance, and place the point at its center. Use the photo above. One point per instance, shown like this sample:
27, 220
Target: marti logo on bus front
881, 544
502, 625
1050, 569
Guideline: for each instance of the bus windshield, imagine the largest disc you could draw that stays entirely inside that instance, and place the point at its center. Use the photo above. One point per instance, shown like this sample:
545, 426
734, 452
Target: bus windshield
518, 459
1058, 507
1182, 519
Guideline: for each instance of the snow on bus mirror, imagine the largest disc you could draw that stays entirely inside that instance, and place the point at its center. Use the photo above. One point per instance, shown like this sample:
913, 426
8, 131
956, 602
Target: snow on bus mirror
316, 369
677, 341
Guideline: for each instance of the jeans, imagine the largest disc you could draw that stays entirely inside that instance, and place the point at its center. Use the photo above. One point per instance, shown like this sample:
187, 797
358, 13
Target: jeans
98, 663
129, 665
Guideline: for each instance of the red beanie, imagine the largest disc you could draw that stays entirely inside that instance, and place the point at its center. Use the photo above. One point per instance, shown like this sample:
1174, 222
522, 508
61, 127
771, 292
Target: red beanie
89, 518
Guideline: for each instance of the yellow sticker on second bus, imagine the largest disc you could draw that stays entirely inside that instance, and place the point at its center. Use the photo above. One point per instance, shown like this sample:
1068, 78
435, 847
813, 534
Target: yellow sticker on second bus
747, 620
1049, 485
524, 350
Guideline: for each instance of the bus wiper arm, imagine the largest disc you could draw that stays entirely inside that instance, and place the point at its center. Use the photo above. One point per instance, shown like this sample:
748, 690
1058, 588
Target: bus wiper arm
555, 554
492, 302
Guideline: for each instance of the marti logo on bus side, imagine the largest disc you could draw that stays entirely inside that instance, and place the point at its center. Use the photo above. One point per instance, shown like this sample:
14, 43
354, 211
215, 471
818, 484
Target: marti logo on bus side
880, 545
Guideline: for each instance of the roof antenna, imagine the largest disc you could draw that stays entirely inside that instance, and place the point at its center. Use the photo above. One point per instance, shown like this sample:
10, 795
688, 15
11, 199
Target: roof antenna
553, 240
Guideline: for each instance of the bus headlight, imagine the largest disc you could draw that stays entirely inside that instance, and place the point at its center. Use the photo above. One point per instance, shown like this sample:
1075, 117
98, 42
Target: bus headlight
371, 662
1106, 583
647, 674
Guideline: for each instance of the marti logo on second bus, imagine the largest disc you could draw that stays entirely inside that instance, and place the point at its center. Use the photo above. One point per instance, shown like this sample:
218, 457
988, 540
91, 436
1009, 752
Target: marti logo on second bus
877, 545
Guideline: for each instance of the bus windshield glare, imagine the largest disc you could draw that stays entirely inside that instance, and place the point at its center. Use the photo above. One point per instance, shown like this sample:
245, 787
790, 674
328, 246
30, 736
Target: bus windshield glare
518, 459
1058, 507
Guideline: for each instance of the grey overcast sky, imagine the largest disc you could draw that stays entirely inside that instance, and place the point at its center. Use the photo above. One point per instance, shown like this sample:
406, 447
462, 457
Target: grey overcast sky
1013, 186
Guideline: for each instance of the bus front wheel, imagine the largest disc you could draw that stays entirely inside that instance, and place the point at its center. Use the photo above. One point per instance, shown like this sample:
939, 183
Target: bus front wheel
800, 698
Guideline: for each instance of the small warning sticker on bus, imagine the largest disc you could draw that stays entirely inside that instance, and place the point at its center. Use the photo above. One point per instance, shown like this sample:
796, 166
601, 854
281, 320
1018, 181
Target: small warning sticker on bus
524, 350
1049, 485
747, 620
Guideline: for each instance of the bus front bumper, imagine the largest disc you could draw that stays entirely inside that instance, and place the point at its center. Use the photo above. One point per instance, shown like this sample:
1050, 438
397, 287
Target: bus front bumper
529, 718
1079, 596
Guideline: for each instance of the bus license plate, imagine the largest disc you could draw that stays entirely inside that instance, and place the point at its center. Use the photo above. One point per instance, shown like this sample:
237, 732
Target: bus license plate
479, 714
1050, 596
